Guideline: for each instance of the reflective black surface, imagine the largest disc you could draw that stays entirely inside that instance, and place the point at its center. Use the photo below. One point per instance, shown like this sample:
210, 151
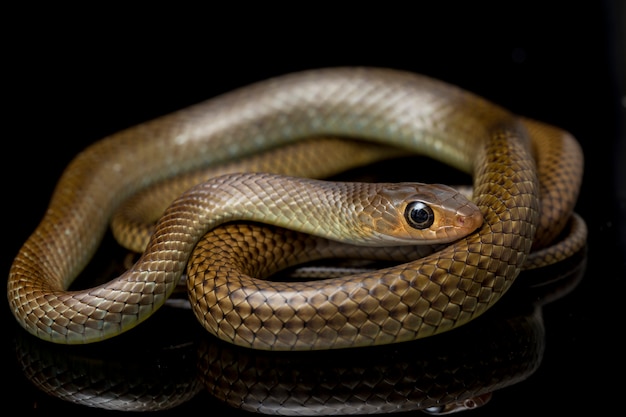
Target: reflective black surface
77, 80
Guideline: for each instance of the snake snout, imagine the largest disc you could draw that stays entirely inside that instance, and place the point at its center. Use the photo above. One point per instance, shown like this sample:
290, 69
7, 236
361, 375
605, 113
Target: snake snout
469, 222
468, 216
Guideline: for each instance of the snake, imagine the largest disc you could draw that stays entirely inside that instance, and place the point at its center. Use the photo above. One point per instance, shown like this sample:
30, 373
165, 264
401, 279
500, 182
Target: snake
526, 177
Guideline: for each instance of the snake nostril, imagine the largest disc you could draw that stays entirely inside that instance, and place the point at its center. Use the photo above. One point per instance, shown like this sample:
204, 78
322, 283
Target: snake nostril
462, 221
470, 222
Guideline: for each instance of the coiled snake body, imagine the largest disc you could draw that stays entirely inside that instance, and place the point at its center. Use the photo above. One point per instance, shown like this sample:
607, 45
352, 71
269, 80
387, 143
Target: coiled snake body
503, 153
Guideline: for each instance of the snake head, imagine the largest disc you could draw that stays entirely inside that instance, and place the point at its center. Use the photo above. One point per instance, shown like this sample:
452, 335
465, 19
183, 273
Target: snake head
415, 213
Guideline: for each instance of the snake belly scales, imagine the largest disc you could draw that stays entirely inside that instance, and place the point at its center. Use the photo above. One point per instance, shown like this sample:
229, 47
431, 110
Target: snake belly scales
526, 176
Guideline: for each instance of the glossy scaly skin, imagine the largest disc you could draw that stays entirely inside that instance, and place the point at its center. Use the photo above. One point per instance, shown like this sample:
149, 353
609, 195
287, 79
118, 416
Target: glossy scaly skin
434, 294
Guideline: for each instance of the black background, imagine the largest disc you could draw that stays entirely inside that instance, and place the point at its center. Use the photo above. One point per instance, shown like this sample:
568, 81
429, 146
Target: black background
75, 76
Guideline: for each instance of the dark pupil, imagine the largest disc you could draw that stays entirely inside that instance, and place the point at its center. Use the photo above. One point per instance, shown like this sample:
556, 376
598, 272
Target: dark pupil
419, 215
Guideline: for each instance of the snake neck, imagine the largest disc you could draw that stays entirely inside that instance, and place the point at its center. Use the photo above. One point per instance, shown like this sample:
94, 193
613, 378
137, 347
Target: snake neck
266, 198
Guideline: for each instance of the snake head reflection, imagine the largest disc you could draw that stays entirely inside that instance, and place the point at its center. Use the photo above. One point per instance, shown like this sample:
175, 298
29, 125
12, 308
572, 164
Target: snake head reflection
461, 405
414, 213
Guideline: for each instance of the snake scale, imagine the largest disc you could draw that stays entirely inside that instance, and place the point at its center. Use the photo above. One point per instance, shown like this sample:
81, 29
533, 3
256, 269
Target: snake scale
526, 177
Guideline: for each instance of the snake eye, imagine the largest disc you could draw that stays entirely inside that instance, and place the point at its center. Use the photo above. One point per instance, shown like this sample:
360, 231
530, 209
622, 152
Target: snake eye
419, 215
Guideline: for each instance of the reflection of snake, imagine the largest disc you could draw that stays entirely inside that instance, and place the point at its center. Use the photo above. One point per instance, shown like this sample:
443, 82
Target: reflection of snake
434, 294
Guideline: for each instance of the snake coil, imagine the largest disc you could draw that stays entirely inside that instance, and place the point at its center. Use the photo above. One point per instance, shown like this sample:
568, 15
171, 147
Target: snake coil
526, 177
